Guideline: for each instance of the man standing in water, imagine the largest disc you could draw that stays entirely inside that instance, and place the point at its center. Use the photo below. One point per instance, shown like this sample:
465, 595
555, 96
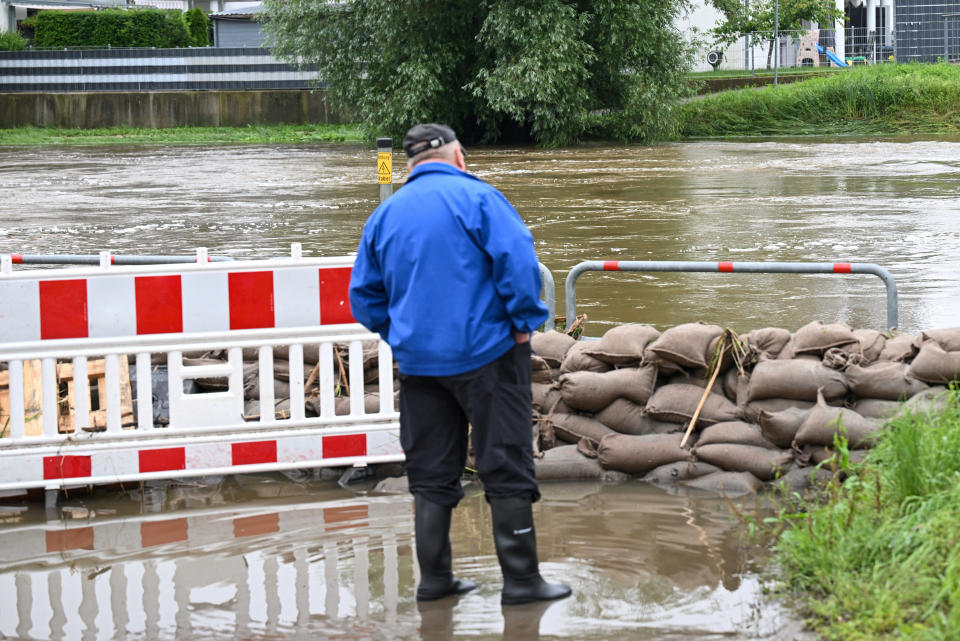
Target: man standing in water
447, 275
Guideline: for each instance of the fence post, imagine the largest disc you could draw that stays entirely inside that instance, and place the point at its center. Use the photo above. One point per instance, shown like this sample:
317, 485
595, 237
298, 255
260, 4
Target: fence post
385, 167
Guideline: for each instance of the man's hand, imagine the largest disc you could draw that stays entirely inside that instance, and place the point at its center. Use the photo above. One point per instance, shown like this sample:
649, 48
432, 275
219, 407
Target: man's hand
521, 337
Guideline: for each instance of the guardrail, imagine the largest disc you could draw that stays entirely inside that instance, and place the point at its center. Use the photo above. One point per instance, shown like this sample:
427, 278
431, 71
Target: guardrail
106, 258
735, 267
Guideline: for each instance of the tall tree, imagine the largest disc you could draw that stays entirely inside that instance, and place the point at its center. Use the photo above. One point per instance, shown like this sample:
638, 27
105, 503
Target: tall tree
555, 70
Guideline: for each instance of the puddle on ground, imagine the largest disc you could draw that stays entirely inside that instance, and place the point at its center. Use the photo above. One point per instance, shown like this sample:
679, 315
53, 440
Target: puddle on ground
263, 557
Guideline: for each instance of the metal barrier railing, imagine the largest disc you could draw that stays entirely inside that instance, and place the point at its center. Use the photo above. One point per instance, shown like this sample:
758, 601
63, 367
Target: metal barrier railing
549, 296
109, 259
753, 268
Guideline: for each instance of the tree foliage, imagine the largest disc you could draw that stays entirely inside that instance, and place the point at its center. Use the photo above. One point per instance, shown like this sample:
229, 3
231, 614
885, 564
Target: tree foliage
552, 70
758, 16
198, 26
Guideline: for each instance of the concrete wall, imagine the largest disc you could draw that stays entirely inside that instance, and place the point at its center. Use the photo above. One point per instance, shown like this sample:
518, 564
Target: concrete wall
165, 109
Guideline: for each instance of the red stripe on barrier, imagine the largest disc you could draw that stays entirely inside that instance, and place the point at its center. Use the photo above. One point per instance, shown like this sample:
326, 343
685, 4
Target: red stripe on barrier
251, 299
252, 453
344, 445
725, 267
63, 309
163, 459
254, 525
842, 268
163, 532
349, 515
16, 259
66, 467
73, 539
611, 266
159, 304
335, 296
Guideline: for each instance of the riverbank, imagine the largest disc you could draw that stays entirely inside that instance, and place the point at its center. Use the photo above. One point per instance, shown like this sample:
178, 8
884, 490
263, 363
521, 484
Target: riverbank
875, 100
880, 558
252, 134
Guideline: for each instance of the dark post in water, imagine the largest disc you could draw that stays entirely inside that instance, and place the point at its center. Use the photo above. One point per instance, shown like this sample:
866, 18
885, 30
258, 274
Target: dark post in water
385, 167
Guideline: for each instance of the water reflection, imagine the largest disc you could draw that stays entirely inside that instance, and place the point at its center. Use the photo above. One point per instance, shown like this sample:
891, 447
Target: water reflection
890, 202
278, 560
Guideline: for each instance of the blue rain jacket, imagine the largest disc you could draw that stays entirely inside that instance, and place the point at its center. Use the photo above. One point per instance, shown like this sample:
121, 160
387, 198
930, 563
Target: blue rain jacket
445, 272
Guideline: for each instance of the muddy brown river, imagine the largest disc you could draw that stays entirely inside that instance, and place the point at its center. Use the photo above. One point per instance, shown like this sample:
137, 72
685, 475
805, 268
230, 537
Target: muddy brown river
273, 558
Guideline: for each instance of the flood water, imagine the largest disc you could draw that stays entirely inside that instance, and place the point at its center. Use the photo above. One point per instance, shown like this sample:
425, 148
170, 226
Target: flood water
893, 203
260, 557
267, 558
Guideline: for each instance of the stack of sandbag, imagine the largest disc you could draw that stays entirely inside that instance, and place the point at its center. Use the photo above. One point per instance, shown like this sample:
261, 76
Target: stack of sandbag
777, 400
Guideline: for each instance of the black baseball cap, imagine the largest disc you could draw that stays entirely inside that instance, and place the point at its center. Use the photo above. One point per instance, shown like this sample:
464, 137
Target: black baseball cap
427, 136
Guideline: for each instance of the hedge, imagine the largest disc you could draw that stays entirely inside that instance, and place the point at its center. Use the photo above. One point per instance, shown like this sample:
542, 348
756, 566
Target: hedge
111, 27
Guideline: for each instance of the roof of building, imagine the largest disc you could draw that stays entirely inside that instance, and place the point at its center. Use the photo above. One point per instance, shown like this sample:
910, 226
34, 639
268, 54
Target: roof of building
239, 12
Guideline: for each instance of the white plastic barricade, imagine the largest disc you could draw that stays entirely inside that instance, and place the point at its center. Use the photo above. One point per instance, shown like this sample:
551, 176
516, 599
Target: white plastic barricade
81, 351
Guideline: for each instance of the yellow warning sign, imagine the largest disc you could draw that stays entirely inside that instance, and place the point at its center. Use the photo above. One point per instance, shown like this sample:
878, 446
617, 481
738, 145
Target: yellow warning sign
385, 167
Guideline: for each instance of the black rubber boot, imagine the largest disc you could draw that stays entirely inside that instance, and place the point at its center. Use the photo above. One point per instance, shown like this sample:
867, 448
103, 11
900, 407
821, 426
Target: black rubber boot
517, 550
432, 534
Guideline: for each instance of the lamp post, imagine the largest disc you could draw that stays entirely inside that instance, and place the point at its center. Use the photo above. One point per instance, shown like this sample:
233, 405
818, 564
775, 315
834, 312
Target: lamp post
776, 41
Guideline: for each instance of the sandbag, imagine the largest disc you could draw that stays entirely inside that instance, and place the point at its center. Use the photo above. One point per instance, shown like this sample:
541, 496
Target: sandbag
780, 428
540, 370
877, 408
816, 338
627, 417
281, 409
545, 397
871, 344
592, 391
885, 380
677, 403
565, 463
687, 345
901, 347
947, 339
762, 462
570, 428
751, 411
551, 346
736, 432
797, 379
769, 341
823, 423
640, 454
934, 365
341, 404
930, 401
251, 388
679, 471
577, 360
622, 345
800, 479
727, 483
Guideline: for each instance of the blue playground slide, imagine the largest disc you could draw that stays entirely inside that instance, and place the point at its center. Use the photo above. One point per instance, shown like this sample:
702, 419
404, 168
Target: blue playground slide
834, 58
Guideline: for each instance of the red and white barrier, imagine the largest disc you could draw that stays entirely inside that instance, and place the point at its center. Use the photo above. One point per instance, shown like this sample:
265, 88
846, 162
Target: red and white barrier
77, 315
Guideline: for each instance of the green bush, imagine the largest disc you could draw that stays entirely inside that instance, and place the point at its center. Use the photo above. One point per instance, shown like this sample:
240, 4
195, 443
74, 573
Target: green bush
12, 41
112, 27
198, 26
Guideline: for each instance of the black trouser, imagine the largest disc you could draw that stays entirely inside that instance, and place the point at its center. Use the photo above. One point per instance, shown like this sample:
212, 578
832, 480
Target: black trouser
495, 400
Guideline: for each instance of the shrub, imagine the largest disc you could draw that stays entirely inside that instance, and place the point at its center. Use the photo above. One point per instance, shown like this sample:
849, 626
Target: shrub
12, 41
112, 27
198, 26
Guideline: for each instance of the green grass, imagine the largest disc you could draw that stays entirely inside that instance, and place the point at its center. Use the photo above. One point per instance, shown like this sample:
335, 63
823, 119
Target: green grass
876, 100
879, 559
252, 134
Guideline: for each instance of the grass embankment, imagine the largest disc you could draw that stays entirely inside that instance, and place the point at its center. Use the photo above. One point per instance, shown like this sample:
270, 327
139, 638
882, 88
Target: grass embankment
880, 558
876, 100
183, 135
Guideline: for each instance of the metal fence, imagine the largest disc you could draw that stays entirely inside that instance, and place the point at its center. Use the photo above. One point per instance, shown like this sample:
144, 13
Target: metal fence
149, 69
